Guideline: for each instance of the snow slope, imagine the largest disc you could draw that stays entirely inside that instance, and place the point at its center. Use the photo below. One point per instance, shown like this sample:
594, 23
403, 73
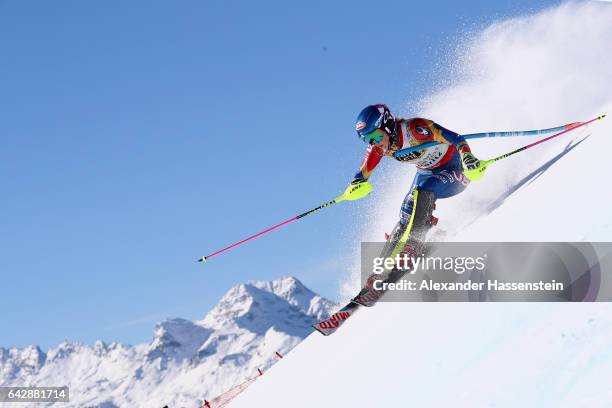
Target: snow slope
546, 69
470, 355
186, 361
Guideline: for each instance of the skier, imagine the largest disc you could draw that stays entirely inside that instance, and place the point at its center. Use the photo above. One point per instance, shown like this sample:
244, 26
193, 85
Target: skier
443, 170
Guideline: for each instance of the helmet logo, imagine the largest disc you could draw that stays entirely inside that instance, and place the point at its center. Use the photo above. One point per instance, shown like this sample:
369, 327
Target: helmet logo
360, 125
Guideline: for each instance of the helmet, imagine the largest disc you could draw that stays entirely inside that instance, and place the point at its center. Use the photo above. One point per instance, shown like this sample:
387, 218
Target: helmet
374, 117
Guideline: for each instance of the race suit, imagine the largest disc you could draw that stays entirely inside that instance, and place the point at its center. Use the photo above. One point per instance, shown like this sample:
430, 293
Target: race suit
439, 169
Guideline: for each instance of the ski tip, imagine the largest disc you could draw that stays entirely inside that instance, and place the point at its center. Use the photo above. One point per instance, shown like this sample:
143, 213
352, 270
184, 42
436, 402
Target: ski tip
202, 259
601, 116
314, 326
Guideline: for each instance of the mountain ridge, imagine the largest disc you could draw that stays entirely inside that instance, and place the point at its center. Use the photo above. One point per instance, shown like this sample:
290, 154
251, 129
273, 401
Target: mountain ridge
186, 361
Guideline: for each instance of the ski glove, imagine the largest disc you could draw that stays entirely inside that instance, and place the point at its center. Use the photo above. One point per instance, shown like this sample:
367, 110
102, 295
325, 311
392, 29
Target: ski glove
357, 190
473, 169
469, 161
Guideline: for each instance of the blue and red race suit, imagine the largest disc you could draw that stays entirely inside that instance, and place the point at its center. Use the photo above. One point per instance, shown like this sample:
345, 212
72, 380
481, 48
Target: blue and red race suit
439, 167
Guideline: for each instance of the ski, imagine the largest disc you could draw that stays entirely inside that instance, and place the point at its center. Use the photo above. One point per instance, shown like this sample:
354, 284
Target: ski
367, 297
330, 325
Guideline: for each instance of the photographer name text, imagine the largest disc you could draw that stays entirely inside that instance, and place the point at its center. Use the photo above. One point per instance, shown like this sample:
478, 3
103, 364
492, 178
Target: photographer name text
491, 285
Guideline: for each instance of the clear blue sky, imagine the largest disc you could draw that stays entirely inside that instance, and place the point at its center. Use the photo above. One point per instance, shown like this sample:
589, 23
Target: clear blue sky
138, 136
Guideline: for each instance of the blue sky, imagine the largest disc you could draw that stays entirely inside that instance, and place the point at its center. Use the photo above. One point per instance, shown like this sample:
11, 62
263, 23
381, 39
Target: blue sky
138, 136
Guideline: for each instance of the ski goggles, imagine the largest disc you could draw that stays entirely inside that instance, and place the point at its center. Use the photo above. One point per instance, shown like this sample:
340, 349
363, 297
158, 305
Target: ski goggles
373, 137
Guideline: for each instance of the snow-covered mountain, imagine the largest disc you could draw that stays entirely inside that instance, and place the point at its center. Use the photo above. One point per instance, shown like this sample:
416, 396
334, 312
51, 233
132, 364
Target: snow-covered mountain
186, 361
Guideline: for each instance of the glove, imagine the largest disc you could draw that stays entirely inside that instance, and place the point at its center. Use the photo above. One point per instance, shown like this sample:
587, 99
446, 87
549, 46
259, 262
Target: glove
357, 190
473, 168
469, 161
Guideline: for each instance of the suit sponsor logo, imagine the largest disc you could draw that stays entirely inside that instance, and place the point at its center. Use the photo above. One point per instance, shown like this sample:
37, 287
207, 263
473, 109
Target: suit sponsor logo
446, 176
460, 177
410, 156
422, 131
430, 159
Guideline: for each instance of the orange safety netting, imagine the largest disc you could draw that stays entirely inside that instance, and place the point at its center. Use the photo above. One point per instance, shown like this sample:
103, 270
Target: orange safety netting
225, 398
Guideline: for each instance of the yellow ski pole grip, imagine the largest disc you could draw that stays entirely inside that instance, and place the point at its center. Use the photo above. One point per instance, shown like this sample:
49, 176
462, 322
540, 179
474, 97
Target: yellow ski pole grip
356, 191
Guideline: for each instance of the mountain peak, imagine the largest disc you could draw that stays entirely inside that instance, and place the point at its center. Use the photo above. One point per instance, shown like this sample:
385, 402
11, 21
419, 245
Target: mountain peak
16, 362
262, 301
286, 287
295, 293
177, 338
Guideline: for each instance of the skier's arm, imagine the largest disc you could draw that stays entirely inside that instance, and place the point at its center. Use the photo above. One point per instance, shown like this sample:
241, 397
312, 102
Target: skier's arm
471, 165
443, 135
359, 184
369, 163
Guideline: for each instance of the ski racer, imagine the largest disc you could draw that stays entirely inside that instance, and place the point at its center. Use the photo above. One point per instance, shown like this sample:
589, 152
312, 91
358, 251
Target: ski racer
443, 170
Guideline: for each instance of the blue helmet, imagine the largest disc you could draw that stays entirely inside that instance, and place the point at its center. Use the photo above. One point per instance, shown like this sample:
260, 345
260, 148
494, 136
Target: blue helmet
374, 117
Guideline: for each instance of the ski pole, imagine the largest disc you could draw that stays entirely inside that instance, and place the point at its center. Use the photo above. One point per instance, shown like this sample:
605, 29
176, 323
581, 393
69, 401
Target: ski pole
514, 133
485, 163
364, 187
